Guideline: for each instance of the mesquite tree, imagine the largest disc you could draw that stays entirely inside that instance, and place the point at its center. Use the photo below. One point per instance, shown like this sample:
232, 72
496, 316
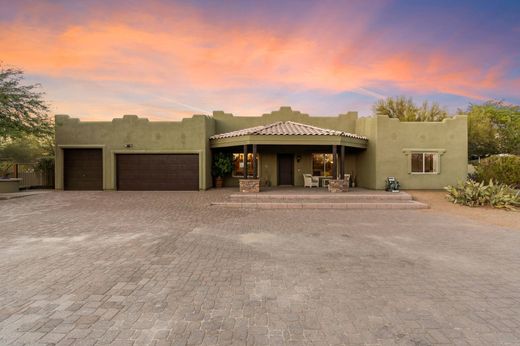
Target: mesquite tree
23, 110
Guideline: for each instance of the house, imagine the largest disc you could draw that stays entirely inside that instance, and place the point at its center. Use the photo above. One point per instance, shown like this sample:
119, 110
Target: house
133, 153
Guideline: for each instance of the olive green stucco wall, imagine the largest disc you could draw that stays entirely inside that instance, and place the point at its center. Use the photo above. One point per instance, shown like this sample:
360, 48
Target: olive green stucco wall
187, 136
226, 122
389, 145
391, 142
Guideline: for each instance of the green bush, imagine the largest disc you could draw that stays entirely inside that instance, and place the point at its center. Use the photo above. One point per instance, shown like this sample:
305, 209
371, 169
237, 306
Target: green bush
44, 164
502, 169
475, 194
222, 164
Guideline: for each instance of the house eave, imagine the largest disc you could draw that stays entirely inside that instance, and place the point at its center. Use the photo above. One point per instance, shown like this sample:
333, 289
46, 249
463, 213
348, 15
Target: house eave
288, 140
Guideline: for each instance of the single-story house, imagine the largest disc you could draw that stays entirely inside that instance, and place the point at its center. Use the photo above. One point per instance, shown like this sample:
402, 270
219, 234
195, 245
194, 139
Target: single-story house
133, 153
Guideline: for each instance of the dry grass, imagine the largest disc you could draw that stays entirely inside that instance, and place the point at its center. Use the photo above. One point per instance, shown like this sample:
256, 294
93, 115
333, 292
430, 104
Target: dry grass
438, 203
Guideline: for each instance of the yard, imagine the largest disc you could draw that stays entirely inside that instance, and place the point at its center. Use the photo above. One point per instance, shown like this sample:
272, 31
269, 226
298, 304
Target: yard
166, 268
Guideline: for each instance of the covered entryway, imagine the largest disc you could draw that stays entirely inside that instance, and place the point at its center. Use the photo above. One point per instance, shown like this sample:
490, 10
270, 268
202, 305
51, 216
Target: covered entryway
287, 152
83, 169
155, 172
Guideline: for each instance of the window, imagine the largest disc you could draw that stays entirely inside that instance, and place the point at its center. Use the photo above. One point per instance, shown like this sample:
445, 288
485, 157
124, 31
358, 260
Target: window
322, 164
238, 165
425, 162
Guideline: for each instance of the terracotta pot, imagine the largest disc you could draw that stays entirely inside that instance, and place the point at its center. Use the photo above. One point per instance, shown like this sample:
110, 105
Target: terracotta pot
219, 182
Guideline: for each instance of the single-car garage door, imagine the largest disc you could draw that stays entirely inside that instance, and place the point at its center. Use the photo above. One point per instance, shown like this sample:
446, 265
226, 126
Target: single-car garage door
82, 169
157, 172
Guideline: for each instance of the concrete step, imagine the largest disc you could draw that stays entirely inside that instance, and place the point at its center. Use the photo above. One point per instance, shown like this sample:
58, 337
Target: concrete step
323, 196
324, 205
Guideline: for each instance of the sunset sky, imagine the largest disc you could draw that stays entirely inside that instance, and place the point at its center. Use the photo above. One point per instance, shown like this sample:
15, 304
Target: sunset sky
167, 59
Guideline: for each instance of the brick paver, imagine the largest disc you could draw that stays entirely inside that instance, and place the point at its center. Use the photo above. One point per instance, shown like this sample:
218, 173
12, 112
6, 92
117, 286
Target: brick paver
165, 268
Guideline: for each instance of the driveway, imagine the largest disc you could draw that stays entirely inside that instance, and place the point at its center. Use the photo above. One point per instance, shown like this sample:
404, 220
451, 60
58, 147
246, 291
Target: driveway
136, 268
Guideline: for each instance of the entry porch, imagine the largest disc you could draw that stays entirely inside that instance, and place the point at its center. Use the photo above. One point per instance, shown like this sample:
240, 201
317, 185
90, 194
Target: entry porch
286, 165
280, 154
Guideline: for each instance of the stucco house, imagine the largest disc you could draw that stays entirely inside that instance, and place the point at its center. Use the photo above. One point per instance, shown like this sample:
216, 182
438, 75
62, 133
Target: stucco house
133, 153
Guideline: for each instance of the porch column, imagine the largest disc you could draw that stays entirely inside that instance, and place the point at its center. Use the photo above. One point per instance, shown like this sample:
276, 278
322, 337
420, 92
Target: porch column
342, 163
255, 168
245, 161
335, 161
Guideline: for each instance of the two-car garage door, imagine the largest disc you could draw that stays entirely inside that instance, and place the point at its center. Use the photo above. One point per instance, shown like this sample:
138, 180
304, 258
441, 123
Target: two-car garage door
83, 170
157, 172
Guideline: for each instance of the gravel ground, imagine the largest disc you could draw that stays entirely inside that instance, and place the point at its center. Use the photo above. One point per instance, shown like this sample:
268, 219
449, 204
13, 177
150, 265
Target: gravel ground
487, 215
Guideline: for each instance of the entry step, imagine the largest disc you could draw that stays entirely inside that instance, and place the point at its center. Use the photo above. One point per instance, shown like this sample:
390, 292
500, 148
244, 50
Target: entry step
324, 205
332, 196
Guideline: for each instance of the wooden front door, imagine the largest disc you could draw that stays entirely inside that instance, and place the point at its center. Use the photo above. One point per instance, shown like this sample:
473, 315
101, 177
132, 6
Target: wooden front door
285, 169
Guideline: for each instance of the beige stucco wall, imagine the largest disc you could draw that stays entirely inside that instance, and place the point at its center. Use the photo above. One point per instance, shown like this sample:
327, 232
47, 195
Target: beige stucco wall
10, 185
390, 144
187, 136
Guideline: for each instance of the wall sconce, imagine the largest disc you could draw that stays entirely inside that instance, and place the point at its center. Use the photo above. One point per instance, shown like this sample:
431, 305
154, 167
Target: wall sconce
298, 158
129, 145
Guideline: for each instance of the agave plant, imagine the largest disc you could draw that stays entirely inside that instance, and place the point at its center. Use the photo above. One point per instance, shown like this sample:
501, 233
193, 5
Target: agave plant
474, 194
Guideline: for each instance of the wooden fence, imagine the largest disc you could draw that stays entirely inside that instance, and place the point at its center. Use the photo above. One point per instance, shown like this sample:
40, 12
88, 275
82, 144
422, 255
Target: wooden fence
32, 178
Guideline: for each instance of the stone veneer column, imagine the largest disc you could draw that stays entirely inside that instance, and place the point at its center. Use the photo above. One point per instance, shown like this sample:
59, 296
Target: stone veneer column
249, 185
337, 185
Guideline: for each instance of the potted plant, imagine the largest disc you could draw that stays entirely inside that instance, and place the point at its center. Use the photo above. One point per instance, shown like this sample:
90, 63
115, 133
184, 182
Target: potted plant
222, 165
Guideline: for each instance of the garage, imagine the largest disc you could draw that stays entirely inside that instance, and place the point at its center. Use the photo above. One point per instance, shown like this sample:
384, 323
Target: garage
157, 172
82, 169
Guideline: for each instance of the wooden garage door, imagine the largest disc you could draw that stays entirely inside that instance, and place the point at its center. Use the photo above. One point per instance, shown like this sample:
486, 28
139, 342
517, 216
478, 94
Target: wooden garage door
157, 172
82, 169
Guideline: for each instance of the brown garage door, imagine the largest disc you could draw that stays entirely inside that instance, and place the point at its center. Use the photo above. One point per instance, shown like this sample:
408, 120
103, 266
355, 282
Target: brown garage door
82, 169
151, 172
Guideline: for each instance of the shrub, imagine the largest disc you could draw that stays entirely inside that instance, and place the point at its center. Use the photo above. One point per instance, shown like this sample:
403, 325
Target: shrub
222, 164
502, 169
475, 194
44, 164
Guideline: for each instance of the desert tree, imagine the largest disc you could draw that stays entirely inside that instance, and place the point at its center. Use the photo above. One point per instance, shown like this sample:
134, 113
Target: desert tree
23, 110
404, 109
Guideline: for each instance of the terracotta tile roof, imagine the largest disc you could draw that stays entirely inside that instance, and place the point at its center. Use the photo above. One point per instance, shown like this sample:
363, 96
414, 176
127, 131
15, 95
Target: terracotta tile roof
286, 128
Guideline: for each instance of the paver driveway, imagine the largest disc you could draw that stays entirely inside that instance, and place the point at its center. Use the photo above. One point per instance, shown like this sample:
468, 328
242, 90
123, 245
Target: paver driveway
165, 268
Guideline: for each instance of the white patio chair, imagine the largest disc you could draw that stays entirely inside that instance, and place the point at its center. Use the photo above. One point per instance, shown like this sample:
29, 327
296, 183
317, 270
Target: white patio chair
311, 181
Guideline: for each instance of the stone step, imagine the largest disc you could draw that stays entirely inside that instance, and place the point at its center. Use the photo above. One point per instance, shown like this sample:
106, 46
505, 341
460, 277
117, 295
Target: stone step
333, 196
315, 200
324, 205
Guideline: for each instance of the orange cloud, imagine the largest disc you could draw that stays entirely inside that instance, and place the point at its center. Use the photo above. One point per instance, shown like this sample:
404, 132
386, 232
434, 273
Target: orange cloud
183, 51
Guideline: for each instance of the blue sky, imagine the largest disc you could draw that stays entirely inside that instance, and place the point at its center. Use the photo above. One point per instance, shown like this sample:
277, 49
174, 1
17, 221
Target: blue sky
168, 60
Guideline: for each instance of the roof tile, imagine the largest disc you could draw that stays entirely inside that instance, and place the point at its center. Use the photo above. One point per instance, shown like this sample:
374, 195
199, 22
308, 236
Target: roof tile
286, 128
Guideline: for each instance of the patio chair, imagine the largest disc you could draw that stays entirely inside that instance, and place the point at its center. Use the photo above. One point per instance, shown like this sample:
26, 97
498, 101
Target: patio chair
311, 181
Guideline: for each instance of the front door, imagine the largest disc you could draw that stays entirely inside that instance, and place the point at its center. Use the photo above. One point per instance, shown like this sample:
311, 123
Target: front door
285, 169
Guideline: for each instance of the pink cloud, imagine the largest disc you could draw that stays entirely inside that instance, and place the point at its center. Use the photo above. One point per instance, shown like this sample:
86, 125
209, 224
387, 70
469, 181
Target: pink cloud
183, 51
